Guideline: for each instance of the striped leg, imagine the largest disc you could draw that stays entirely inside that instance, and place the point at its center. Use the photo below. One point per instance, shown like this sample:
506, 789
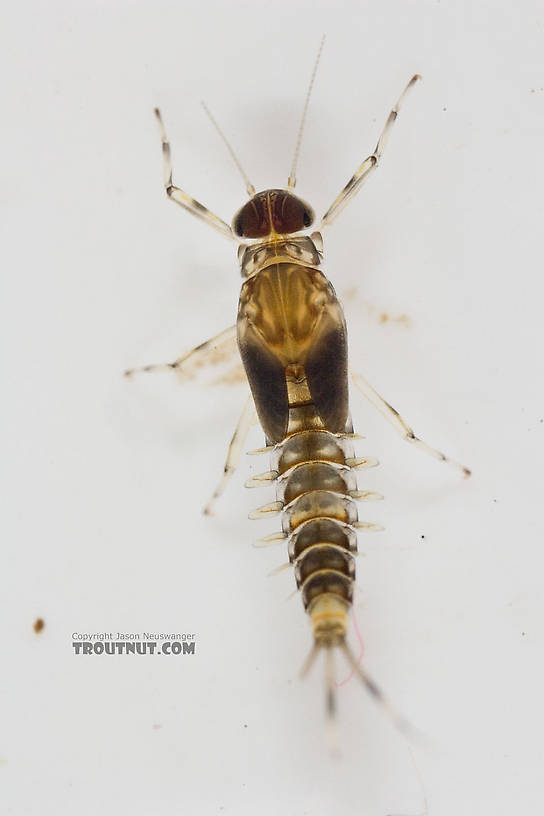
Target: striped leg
212, 350
361, 174
400, 425
247, 419
182, 198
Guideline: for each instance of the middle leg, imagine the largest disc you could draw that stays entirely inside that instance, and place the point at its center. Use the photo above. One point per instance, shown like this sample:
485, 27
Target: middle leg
200, 355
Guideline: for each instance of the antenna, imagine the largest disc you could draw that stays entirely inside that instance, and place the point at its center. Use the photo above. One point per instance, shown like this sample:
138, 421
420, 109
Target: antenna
249, 186
291, 182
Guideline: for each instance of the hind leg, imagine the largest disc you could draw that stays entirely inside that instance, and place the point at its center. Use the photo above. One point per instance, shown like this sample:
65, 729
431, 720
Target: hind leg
401, 426
247, 419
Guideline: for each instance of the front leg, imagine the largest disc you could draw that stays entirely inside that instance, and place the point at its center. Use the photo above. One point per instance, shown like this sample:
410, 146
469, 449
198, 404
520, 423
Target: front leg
370, 163
182, 198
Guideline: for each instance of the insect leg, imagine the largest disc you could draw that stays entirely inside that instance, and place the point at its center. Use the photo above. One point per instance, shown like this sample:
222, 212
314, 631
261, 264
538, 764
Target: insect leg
196, 357
182, 198
361, 174
239, 436
400, 425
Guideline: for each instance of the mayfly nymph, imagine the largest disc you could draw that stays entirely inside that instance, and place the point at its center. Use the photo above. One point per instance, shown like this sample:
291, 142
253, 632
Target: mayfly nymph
291, 334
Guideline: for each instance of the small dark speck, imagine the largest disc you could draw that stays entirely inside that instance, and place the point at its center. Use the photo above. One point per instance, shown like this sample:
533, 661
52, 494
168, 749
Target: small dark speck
444, 109
245, 725
495, 501
39, 624
541, 421
422, 536
523, 634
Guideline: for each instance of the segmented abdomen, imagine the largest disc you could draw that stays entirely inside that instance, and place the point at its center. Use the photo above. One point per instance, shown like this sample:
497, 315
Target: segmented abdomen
317, 487
315, 483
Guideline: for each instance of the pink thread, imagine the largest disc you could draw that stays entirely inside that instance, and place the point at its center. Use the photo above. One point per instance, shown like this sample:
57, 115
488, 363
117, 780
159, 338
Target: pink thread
361, 650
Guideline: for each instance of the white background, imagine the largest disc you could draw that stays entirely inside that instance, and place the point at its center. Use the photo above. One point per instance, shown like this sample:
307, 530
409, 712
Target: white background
105, 479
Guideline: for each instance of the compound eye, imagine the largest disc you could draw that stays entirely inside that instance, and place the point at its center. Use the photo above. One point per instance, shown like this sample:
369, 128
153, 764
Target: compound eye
253, 220
272, 211
290, 214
